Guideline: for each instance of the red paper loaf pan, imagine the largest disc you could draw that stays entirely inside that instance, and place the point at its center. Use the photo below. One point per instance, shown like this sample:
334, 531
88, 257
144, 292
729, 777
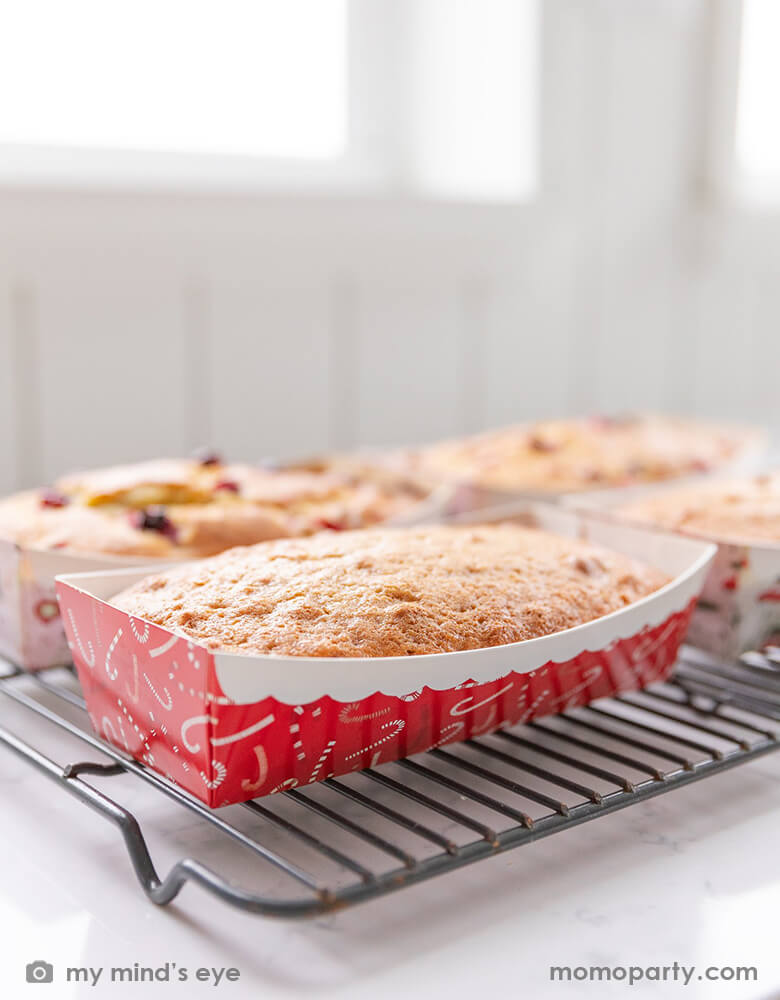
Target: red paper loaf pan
229, 727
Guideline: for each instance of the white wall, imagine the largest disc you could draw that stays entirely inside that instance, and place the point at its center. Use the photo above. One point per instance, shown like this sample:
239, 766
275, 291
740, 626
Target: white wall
136, 324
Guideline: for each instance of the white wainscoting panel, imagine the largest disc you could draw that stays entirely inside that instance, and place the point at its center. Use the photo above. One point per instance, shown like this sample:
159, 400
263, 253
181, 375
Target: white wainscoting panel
527, 339
109, 369
409, 368
12, 307
270, 368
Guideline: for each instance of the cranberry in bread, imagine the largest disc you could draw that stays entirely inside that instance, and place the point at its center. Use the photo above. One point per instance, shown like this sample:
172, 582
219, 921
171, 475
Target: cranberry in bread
185, 508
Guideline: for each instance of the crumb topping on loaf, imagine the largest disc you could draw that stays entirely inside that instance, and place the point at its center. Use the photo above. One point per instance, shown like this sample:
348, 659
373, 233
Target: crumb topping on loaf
742, 510
391, 592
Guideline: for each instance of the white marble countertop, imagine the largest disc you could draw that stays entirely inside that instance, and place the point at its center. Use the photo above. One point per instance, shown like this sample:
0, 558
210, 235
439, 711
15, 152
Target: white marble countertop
691, 877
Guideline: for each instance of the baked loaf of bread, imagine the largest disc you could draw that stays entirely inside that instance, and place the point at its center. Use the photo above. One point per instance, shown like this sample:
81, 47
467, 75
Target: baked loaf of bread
390, 592
744, 510
588, 453
184, 508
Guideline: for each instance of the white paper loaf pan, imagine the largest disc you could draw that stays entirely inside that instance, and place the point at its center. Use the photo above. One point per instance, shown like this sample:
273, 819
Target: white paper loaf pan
739, 607
31, 632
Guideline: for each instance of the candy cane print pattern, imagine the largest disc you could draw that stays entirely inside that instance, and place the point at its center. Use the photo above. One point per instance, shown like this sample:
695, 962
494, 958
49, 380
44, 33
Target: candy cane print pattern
489, 723
295, 730
323, 757
182, 762
208, 696
142, 637
148, 756
152, 688
191, 691
648, 646
345, 715
108, 730
132, 693
398, 725
191, 650
649, 643
89, 658
448, 734
459, 709
112, 674
221, 740
571, 697
195, 721
160, 650
284, 785
531, 709
249, 731
220, 770
217, 699
262, 771
122, 731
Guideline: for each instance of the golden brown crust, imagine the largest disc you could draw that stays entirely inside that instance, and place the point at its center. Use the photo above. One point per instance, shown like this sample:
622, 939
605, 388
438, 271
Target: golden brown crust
391, 592
580, 454
742, 510
206, 508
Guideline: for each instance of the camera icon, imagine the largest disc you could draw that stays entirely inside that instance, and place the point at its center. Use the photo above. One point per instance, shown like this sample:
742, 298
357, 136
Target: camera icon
40, 972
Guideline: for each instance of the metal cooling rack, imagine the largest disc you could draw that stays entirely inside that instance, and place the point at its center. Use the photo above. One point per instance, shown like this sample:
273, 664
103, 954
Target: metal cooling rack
341, 841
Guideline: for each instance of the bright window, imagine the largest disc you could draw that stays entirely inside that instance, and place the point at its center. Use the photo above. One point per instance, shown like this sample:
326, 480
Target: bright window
758, 127
429, 97
237, 77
